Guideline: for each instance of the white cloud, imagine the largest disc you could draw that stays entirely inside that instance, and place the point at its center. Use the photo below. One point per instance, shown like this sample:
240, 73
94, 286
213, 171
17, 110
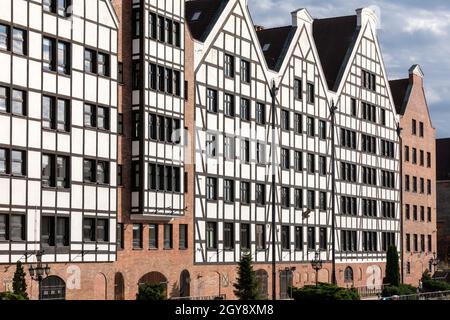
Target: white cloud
436, 23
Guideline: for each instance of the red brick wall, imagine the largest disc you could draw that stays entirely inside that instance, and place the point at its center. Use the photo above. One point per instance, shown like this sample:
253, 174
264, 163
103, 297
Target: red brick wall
417, 109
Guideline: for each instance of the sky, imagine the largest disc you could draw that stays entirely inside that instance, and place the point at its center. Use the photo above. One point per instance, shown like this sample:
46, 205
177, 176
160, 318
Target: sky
411, 32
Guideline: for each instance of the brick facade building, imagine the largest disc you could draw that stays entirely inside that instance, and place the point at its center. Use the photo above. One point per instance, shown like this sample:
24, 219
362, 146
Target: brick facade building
419, 176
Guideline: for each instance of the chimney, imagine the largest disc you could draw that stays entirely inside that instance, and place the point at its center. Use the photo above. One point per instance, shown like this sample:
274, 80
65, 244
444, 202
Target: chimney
416, 75
300, 17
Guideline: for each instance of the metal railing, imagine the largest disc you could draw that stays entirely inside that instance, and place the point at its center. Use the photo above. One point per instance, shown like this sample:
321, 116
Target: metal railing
373, 291
217, 297
439, 295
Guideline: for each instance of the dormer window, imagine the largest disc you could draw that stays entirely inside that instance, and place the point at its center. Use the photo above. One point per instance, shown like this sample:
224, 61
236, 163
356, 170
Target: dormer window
196, 16
266, 47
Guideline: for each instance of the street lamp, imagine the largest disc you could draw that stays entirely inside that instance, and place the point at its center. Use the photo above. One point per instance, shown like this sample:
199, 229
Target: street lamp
317, 265
434, 261
38, 271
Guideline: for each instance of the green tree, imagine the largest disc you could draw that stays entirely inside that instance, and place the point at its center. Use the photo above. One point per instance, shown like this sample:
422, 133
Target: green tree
152, 292
19, 283
246, 285
392, 267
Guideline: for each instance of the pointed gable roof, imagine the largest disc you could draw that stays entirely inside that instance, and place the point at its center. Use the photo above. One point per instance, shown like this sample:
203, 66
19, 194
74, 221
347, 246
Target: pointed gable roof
334, 38
275, 44
400, 91
206, 13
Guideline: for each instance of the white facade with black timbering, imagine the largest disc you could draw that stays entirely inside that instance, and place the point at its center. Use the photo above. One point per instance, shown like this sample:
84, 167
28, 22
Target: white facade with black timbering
58, 141
158, 104
230, 222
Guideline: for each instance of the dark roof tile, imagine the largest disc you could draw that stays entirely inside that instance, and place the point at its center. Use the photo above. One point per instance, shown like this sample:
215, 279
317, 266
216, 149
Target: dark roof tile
210, 11
399, 89
334, 37
278, 41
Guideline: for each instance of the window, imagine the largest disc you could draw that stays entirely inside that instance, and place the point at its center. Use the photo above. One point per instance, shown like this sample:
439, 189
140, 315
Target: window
285, 120
429, 214
18, 102
4, 161
311, 92
196, 16
260, 194
311, 200
245, 71
153, 234
369, 112
55, 171
89, 229
168, 236
323, 201
422, 158
422, 185
228, 148
298, 239
415, 217
408, 242
245, 236
137, 76
89, 61
137, 236
120, 241
245, 109
96, 171
322, 130
260, 113
407, 212
63, 57
4, 227
19, 41
387, 149
369, 80
228, 192
298, 199
310, 127
311, 238
369, 144
285, 238
298, 89
407, 183
211, 100
348, 241
90, 116
211, 235
348, 206
323, 238
388, 240
245, 151
422, 243
388, 209
136, 28
18, 163
353, 107
285, 197
311, 163
229, 66
176, 34
4, 37
416, 243
211, 145
120, 124
229, 105
421, 130
414, 127
428, 187
348, 172
103, 64
369, 208
161, 29
370, 241
369, 176
407, 153
298, 161
245, 193
387, 179
348, 139
135, 178
383, 117
48, 54
102, 230
415, 184
211, 189
103, 118
414, 156
322, 165
260, 153
260, 237
285, 159
228, 236
298, 123
16, 228
4, 99
430, 244
422, 213
428, 160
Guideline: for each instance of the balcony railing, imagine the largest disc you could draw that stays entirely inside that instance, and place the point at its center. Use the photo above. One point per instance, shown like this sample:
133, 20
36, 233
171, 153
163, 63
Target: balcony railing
217, 297
373, 291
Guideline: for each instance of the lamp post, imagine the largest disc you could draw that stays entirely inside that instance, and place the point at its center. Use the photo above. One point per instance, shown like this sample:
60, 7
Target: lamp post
39, 270
317, 265
333, 110
273, 93
434, 262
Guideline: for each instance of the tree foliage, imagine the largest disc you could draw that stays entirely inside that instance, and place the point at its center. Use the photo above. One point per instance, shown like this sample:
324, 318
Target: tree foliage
246, 285
19, 283
392, 267
324, 292
151, 292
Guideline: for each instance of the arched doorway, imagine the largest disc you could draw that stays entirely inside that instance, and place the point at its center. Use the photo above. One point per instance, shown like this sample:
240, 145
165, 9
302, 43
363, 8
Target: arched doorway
286, 279
100, 285
348, 275
53, 288
154, 278
119, 287
185, 284
262, 281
